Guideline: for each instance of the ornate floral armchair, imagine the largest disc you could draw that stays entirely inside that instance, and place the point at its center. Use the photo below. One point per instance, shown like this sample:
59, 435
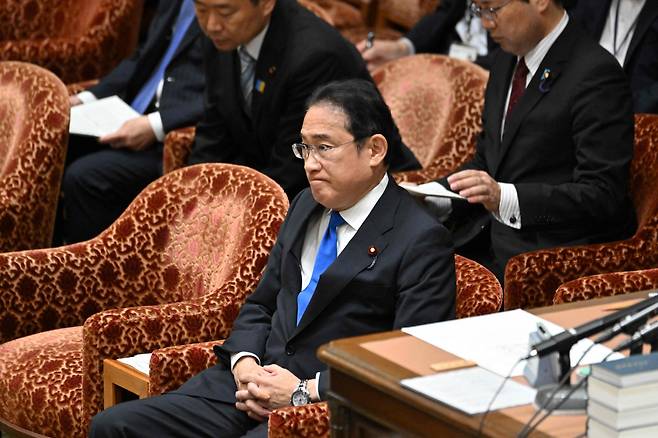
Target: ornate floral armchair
478, 293
605, 285
76, 40
175, 268
436, 102
531, 279
34, 119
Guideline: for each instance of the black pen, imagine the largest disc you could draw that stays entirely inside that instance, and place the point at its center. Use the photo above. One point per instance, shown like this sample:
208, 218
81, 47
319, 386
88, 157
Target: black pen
370, 40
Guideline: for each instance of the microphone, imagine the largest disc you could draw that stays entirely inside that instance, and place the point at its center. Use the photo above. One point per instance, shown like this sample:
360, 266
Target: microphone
563, 341
629, 322
647, 334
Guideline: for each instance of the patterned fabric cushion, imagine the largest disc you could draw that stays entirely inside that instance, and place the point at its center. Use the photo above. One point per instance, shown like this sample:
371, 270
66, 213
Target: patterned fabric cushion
318, 10
77, 40
404, 13
177, 147
604, 285
34, 119
186, 252
436, 102
478, 293
531, 279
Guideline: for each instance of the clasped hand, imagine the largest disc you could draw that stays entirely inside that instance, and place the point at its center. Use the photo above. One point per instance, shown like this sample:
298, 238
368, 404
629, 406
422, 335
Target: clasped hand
262, 389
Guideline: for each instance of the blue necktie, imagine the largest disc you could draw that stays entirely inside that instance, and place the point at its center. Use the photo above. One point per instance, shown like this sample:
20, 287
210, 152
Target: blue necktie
327, 253
145, 95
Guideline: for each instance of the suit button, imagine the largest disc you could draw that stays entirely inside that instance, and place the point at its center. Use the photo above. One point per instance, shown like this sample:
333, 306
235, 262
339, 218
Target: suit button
512, 220
170, 79
290, 350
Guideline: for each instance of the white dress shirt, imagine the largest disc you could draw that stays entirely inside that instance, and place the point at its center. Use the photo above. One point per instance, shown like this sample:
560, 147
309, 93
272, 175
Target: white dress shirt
315, 229
626, 13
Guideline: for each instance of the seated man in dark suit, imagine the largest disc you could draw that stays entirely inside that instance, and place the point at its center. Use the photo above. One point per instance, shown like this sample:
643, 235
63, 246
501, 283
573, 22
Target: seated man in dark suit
551, 165
629, 30
355, 255
163, 80
450, 30
266, 58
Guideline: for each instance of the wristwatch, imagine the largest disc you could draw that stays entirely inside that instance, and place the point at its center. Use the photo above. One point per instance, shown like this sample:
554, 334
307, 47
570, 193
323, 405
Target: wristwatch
301, 396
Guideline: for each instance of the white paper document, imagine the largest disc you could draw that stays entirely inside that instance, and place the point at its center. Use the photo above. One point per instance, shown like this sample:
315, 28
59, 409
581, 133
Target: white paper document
470, 390
430, 189
100, 117
498, 340
140, 362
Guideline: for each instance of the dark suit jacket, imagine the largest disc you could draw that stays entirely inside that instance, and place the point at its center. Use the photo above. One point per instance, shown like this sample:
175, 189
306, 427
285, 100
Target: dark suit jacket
566, 149
641, 63
181, 102
299, 53
435, 33
411, 282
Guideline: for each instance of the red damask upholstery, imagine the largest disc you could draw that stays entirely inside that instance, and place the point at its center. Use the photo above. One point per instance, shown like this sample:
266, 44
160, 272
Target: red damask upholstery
175, 267
34, 119
605, 285
531, 279
436, 101
177, 147
77, 40
478, 293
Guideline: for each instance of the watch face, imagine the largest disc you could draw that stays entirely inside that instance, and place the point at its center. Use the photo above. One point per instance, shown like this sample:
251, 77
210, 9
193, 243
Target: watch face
300, 398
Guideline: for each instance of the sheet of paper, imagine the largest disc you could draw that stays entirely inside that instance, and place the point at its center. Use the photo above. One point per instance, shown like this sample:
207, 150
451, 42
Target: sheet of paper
140, 362
470, 390
100, 117
498, 340
430, 189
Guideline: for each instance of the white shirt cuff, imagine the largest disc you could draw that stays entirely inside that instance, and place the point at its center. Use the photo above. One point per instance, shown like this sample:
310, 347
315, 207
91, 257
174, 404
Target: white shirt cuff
235, 357
508, 209
156, 125
317, 386
86, 96
410, 46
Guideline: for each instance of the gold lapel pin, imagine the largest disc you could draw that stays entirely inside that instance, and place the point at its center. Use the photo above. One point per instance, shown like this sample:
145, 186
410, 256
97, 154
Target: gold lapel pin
372, 251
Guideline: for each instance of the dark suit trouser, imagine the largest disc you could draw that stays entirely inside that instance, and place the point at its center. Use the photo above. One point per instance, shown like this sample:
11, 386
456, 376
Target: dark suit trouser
175, 415
97, 187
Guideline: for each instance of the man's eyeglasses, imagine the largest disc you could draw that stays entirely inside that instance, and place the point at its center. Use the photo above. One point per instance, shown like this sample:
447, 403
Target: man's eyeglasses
321, 151
489, 14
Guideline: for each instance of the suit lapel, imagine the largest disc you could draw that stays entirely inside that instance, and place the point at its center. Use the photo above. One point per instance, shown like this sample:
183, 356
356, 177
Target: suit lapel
647, 16
354, 258
192, 32
270, 55
552, 63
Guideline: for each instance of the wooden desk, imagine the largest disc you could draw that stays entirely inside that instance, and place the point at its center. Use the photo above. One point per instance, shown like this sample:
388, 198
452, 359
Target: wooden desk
119, 380
367, 400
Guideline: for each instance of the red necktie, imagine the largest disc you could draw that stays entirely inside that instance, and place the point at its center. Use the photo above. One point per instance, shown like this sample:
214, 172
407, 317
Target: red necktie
518, 85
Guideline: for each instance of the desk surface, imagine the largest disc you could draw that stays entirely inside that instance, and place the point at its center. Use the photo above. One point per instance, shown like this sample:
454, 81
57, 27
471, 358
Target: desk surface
366, 372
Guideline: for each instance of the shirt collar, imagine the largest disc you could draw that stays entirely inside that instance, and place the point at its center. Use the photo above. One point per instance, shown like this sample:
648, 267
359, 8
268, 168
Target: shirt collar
534, 58
357, 214
253, 47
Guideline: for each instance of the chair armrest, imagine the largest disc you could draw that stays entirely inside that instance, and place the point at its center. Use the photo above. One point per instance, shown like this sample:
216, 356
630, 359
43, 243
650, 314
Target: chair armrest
126, 332
172, 366
301, 421
80, 86
177, 147
604, 285
532, 278
478, 291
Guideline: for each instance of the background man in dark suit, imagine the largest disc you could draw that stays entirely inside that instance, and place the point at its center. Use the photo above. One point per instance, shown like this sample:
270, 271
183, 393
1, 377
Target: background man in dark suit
394, 268
451, 23
551, 166
629, 30
163, 80
267, 58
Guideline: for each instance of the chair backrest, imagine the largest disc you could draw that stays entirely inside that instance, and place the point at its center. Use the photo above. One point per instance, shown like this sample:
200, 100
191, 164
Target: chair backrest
644, 174
404, 13
318, 10
193, 230
34, 119
478, 290
436, 102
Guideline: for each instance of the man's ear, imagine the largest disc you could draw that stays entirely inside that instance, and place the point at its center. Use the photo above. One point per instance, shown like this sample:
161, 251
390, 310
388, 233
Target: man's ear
378, 149
267, 6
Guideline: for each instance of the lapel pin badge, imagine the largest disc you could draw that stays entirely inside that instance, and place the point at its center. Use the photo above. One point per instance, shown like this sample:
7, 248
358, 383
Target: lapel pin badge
259, 86
545, 81
372, 252
271, 70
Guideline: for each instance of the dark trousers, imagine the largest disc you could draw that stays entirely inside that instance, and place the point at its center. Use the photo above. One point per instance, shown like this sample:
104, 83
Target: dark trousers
99, 183
175, 415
